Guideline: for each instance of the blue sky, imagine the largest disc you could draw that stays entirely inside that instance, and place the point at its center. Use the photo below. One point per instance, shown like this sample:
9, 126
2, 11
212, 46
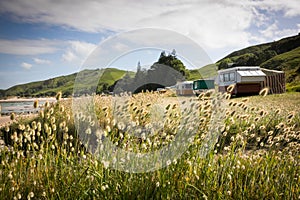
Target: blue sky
41, 39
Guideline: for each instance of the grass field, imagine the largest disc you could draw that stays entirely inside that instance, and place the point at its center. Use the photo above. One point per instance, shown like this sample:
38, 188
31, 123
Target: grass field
255, 154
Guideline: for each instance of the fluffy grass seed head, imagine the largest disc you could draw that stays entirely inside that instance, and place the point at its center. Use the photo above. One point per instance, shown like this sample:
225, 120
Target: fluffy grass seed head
291, 115
58, 96
264, 92
36, 104
12, 116
230, 88
47, 104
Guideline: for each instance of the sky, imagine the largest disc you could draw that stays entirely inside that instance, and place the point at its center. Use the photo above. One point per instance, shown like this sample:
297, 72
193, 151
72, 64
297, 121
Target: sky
42, 39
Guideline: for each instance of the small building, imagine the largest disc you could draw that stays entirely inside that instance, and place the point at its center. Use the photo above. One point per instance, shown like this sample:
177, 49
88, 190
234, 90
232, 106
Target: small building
184, 88
247, 79
275, 81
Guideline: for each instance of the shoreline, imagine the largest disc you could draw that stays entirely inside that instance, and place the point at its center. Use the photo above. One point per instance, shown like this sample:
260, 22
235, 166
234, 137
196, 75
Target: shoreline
15, 99
21, 106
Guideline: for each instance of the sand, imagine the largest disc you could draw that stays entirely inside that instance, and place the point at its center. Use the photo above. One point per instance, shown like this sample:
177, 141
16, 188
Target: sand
5, 120
15, 99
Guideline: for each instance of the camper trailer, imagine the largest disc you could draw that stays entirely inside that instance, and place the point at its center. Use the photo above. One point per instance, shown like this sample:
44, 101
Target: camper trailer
184, 88
247, 80
202, 85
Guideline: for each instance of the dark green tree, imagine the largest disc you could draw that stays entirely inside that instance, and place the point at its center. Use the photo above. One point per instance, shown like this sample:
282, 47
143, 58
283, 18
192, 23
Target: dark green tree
172, 61
167, 71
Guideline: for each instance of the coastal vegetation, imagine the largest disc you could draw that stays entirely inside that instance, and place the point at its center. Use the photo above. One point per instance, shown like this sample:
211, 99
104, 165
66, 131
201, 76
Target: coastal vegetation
256, 154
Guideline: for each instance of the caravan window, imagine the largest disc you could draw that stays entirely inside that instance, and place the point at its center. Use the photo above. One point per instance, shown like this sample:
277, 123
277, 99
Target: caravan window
231, 78
221, 78
189, 86
226, 77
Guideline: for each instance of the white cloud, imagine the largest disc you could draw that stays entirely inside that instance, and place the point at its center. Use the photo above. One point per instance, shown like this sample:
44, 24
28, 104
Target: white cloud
41, 61
26, 65
291, 8
28, 47
270, 31
73, 50
68, 56
216, 24
273, 32
78, 51
120, 47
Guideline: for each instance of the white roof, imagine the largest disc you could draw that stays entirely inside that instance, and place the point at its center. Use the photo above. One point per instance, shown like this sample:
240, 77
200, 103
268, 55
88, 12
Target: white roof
251, 73
271, 70
184, 82
240, 68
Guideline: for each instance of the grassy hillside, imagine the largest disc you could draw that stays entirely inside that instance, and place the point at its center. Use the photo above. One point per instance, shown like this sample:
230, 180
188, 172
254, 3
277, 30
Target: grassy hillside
65, 84
262, 51
207, 71
279, 55
285, 61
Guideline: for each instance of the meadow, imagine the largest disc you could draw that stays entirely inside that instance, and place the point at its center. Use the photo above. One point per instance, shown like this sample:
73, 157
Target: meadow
251, 150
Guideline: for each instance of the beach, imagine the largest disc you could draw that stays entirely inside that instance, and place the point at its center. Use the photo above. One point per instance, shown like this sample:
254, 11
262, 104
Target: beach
16, 99
4, 120
22, 107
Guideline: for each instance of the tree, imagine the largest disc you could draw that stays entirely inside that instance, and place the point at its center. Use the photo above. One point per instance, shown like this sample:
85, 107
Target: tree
139, 67
174, 63
173, 52
165, 72
224, 64
162, 54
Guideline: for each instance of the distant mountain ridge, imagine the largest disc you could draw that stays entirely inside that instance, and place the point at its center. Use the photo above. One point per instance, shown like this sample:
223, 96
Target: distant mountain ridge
283, 54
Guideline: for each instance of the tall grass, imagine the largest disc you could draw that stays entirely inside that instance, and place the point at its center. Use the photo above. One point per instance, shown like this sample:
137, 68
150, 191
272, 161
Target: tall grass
256, 155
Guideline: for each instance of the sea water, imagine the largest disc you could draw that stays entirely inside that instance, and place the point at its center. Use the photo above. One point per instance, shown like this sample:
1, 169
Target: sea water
20, 107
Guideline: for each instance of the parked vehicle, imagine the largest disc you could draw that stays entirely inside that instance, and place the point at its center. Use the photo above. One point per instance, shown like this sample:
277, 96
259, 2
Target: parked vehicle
184, 88
202, 85
247, 80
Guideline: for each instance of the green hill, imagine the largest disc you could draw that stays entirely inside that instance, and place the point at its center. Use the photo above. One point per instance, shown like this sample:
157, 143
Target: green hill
65, 84
208, 71
283, 55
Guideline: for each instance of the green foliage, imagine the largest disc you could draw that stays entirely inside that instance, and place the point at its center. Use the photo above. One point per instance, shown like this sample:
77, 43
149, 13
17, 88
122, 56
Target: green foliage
224, 64
172, 61
165, 72
285, 61
206, 71
294, 88
194, 75
251, 49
